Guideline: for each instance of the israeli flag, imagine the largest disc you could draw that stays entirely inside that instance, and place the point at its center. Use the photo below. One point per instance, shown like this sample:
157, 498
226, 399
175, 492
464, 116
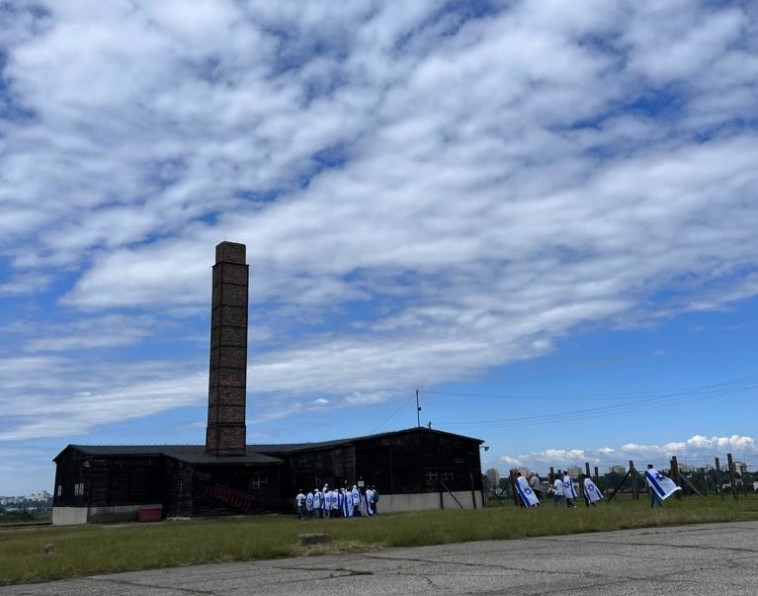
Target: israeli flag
591, 491
662, 485
526, 493
568, 488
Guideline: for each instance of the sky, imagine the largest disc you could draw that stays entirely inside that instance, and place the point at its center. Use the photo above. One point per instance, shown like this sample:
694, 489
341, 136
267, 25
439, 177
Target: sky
541, 215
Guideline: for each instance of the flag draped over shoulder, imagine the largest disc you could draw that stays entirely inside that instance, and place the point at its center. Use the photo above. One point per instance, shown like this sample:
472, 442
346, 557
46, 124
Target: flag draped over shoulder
591, 491
568, 488
526, 493
661, 485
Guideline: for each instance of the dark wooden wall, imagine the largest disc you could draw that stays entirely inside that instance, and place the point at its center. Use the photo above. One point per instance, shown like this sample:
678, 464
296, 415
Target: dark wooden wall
108, 480
417, 463
311, 469
261, 482
413, 462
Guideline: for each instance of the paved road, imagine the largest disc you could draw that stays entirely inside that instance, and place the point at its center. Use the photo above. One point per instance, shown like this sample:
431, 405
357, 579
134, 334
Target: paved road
686, 561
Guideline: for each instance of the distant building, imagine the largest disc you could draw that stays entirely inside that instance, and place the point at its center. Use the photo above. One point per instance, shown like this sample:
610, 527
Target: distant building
617, 470
413, 469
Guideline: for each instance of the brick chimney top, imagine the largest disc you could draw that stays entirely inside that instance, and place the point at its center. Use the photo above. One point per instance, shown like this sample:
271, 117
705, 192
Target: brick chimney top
230, 252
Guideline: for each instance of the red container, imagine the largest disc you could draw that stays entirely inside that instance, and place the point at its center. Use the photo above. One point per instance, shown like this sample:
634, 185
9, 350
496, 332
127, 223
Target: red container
150, 513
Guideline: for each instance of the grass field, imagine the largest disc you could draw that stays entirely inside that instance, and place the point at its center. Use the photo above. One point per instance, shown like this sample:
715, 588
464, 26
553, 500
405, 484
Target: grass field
87, 550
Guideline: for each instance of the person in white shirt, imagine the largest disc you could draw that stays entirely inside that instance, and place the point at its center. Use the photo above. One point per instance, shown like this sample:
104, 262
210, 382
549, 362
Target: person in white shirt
557, 488
300, 504
534, 484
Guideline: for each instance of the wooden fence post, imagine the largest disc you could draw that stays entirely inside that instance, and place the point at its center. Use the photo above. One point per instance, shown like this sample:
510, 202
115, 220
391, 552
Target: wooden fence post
551, 478
705, 482
473, 490
677, 477
719, 488
635, 484
618, 486
597, 478
513, 488
732, 478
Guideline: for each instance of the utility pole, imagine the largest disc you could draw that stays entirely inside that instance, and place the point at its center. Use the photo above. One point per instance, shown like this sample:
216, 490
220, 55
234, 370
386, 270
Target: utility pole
418, 411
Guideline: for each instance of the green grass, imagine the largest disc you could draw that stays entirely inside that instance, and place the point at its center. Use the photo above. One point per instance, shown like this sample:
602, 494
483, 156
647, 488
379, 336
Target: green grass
89, 550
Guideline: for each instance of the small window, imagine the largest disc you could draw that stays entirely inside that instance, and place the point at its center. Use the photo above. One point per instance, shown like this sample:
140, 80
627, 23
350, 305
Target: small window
79, 489
430, 475
60, 490
258, 482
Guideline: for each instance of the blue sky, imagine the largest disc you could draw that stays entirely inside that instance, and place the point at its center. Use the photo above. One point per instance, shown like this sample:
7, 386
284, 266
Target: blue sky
541, 215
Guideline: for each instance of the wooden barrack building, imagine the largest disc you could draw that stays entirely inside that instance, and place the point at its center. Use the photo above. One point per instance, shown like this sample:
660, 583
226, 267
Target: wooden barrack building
413, 469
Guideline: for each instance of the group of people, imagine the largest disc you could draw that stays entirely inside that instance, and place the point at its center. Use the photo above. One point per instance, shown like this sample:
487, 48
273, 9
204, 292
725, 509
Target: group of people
562, 489
659, 486
329, 503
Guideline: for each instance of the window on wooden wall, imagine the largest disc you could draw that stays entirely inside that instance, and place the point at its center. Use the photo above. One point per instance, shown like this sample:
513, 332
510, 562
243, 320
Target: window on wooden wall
434, 475
258, 481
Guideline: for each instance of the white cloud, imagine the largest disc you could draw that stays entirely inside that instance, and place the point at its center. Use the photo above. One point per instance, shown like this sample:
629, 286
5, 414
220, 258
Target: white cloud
424, 196
697, 451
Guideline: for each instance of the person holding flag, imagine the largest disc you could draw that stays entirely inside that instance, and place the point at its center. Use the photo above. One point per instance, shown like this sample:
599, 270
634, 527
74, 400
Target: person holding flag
569, 493
591, 492
659, 486
528, 498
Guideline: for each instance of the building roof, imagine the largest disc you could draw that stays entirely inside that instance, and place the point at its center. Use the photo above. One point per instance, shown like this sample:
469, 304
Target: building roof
255, 454
193, 454
291, 447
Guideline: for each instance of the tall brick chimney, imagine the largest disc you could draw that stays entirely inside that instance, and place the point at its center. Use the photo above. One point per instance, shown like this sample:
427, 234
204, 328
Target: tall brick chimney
226, 433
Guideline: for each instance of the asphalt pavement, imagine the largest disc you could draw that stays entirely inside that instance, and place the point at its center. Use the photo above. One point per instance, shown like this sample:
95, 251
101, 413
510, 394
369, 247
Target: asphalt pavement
684, 561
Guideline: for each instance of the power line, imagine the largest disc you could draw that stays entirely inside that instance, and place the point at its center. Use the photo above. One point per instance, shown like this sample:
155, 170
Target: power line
656, 400
752, 379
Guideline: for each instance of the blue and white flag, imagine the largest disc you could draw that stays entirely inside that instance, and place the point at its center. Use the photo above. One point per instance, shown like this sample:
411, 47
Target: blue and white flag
526, 493
568, 488
367, 503
591, 491
661, 485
